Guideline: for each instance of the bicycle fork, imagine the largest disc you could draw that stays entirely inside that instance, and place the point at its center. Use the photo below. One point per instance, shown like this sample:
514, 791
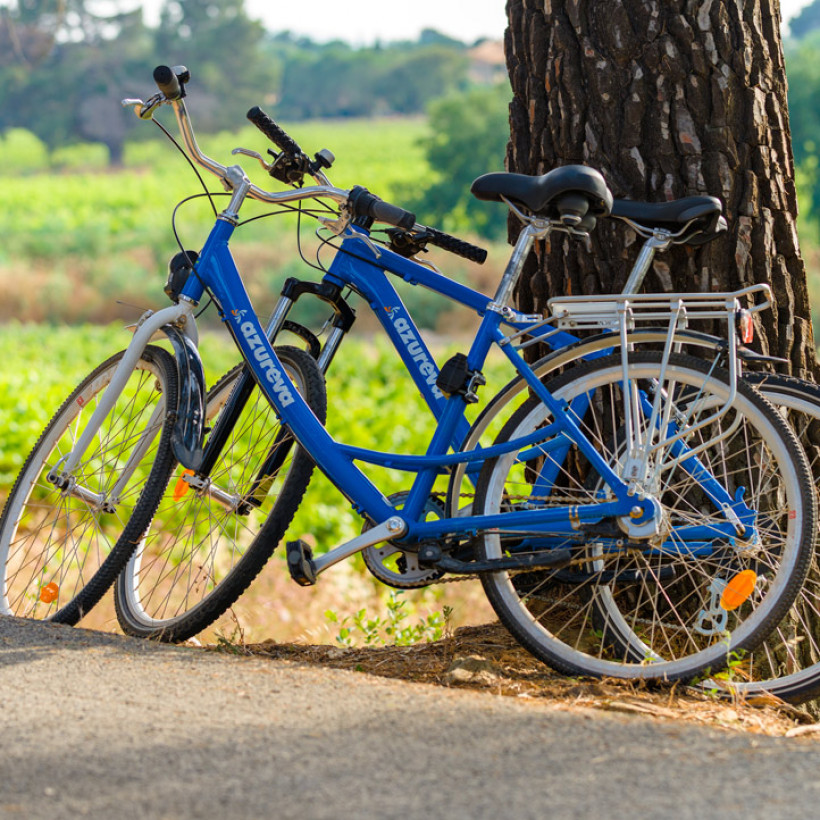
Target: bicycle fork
284, 442
173, 321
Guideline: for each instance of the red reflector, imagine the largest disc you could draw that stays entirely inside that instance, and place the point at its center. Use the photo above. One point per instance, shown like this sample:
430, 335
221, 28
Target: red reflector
747, 328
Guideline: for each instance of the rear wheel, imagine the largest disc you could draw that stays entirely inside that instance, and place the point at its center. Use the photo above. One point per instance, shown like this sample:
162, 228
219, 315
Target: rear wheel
787, 663
662, 595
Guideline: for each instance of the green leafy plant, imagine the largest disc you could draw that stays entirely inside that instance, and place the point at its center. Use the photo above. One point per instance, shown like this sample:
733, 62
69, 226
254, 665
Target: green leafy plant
391, 630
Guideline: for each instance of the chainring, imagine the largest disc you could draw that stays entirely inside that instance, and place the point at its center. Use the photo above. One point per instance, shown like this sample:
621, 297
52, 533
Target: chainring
396, 567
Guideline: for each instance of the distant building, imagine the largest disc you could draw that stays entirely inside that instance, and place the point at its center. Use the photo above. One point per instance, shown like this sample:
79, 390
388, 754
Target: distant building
487, 63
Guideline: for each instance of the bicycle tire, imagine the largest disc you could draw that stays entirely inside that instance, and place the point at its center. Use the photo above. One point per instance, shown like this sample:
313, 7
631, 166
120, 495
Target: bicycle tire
198, 556
60, 553
787, 664
542, 609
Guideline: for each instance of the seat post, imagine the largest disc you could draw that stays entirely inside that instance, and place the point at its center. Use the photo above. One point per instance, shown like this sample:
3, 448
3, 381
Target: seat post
659, 241
531, 231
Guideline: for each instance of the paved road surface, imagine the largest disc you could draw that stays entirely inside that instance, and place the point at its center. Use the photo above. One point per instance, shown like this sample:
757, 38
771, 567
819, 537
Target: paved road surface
100, 726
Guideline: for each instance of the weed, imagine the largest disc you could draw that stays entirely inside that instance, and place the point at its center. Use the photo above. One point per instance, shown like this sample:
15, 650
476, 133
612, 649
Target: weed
393, 629
235, 642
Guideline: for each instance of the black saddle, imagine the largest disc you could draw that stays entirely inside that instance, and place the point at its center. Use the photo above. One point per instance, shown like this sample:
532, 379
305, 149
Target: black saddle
703, 212
571, 193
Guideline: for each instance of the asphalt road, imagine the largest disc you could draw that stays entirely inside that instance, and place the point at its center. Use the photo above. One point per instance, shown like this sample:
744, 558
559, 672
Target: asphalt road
96, 725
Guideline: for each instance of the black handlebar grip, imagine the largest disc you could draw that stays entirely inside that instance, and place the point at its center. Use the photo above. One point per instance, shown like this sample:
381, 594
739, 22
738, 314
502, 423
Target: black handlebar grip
272, 131
167, 82
383, 211
457, 246
363, 203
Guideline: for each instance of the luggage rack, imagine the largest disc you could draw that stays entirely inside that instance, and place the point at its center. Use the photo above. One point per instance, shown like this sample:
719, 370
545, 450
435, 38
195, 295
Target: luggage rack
650, 448
611, 312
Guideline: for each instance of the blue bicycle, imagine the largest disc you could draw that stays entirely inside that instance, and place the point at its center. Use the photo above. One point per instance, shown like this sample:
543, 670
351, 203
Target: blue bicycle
643, 514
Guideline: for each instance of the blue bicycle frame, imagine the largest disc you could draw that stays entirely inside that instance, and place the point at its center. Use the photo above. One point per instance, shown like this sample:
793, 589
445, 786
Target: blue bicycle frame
360, 265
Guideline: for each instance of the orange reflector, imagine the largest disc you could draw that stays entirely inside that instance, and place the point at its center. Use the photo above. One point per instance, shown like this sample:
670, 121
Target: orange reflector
738, 589
181, 487
49, 593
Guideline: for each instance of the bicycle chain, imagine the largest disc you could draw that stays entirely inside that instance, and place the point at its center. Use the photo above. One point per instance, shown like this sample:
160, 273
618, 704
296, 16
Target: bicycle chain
457, 579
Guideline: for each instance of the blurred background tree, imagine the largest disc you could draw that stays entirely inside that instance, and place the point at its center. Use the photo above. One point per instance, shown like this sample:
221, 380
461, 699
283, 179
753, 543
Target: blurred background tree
65, 65
468, 137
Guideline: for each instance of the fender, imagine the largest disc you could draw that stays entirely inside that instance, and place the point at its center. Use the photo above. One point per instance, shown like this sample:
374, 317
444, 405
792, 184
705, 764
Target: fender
186, 437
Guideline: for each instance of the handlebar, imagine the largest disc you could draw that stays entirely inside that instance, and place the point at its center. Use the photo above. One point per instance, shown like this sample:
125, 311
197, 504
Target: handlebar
457, 246
411, 242
363, 203
171, 84
359, 201
167, 82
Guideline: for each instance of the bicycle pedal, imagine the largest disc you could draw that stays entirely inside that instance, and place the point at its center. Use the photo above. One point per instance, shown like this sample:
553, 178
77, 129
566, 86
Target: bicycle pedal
300, 563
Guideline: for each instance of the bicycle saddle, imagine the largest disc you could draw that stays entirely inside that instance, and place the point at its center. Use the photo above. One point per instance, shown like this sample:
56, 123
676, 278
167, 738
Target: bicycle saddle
673, 216
565, 192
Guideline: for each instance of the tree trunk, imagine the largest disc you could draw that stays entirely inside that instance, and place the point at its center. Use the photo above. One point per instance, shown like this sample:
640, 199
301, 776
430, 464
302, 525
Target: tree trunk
667, 98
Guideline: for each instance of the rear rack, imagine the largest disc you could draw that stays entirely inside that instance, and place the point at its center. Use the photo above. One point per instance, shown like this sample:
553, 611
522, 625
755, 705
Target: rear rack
652, 452
609, 312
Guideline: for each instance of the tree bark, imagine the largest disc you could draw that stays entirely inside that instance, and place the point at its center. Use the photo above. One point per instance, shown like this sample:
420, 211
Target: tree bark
667, 98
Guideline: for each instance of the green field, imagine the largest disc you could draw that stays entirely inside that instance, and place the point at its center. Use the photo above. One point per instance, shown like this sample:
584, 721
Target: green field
78, 238
372, 403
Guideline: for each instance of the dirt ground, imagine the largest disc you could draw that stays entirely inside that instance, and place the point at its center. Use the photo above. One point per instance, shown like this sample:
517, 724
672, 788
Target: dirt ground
486, 658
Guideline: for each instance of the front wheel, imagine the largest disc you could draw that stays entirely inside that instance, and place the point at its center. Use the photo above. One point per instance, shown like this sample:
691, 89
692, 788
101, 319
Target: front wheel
62, 546
212, 534
665, 611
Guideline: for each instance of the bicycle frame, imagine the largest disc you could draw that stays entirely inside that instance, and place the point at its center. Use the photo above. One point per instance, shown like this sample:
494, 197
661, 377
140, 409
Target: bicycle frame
358, 264
361, 265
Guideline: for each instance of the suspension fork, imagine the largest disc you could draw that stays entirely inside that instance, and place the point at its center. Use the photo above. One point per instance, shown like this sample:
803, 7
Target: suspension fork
283, 441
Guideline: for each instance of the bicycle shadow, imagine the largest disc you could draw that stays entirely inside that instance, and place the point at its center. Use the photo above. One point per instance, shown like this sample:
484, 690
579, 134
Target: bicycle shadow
25, 641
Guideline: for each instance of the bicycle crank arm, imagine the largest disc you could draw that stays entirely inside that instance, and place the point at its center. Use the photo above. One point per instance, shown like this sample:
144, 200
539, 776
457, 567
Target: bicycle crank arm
431, 555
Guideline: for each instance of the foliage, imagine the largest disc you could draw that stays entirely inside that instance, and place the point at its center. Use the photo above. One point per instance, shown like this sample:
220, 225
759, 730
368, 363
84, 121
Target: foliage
72, 67
392, 629
221, 46
803, 67
806, 21
46, 213
336, 80
65, 67
94, 238
804, 83
469, 134
373, 403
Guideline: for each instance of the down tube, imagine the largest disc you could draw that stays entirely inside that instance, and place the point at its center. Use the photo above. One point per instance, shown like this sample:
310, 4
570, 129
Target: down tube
218, 269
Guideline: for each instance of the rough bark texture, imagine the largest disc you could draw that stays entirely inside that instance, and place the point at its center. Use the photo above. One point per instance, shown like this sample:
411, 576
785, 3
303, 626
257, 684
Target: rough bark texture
667, 98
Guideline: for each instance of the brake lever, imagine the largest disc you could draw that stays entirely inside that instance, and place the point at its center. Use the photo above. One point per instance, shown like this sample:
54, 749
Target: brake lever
336, 226
144, 110
254, 155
